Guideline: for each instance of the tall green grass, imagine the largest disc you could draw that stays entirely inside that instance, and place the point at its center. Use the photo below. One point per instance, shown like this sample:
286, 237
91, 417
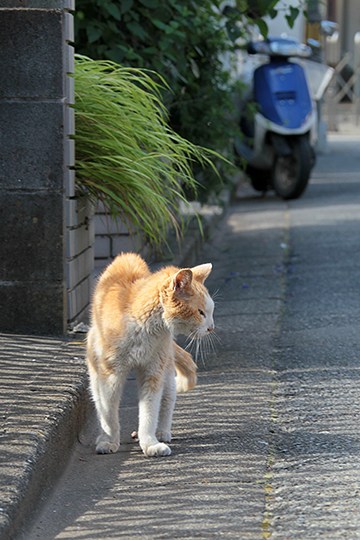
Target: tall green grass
126, 154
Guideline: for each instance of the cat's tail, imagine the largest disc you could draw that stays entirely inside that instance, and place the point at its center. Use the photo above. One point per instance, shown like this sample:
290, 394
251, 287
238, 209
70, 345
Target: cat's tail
185, 366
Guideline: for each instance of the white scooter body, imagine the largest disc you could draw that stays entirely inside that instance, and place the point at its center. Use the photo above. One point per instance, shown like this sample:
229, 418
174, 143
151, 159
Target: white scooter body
262, 155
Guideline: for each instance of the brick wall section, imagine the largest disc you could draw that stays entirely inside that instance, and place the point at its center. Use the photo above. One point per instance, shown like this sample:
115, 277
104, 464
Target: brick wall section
79, 257
36, 184
78, 209
113, 237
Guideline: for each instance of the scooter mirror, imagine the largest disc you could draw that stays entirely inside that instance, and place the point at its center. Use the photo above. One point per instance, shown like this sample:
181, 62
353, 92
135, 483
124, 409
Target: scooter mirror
258, 47
313, 43
328, 28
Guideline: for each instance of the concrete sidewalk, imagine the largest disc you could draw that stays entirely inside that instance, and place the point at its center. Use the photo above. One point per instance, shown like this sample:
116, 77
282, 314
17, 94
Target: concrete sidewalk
268, 444
216, 481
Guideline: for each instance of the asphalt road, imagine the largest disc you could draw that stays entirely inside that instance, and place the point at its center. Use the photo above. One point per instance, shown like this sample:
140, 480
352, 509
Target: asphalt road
268, 445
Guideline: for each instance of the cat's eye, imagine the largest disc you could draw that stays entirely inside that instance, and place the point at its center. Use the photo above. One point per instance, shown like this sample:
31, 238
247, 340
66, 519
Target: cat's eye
201, 313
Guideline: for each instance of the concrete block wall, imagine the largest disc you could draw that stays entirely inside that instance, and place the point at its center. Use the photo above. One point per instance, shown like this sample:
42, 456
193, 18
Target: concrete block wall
37, 192
79, 225
113, 237
80, 235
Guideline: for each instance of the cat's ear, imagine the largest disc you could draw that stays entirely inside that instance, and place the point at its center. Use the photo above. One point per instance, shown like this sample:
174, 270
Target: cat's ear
182, 282
201, 272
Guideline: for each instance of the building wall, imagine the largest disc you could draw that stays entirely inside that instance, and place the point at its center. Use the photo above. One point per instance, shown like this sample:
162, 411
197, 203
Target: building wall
347, 14
350, 16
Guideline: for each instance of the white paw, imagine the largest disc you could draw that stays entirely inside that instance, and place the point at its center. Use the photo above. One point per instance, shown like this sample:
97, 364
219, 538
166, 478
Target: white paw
164, 436
104, 446
157, 450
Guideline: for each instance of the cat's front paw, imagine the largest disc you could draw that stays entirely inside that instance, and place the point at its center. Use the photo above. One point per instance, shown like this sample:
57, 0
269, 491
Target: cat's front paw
164, 436
104, 446
157, 450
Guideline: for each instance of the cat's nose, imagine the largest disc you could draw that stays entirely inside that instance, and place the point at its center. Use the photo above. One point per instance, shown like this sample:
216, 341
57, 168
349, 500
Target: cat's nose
211, 328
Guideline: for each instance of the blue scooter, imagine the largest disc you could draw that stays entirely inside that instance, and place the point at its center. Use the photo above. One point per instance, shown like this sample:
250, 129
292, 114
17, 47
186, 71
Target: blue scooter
279, 136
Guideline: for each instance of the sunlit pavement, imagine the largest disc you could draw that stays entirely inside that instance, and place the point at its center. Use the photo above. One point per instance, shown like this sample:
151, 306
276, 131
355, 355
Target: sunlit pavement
267, 445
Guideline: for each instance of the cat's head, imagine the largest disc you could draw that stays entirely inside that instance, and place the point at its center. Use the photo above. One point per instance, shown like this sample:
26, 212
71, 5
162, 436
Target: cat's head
188, 307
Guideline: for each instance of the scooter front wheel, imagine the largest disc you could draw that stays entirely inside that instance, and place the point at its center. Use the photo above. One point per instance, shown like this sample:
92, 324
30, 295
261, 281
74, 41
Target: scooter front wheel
291, 173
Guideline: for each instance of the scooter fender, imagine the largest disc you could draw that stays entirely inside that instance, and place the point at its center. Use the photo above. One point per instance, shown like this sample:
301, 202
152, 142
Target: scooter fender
265, 146
267, 125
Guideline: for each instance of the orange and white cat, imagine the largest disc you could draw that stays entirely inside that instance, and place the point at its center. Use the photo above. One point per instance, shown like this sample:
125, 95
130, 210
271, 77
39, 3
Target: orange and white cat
135, 316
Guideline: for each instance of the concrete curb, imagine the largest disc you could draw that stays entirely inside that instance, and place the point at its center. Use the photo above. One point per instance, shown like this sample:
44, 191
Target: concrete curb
47, 441
43, 407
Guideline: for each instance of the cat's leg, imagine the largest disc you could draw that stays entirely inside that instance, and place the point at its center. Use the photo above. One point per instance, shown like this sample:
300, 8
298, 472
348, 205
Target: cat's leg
106, 391
150, 394
167, 406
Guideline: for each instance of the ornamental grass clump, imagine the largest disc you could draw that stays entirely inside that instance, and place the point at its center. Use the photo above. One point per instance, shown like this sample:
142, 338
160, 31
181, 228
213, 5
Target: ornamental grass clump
126, 154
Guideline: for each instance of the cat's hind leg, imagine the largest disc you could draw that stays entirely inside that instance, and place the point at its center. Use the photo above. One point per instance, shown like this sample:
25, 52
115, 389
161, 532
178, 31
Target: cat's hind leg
106, 389
107, 401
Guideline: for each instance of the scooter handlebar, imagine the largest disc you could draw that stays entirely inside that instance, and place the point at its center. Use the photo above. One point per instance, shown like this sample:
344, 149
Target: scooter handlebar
282, 47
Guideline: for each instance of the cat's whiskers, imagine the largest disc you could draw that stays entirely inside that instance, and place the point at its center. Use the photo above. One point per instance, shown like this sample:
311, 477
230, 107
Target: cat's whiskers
202, 346
216, 295
194, 345
211, 340
191, 339
215, 338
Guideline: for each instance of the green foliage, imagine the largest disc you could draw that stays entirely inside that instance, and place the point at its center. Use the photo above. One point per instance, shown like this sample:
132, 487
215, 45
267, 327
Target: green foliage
126, 154
181, 40
190, 44
292, 16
